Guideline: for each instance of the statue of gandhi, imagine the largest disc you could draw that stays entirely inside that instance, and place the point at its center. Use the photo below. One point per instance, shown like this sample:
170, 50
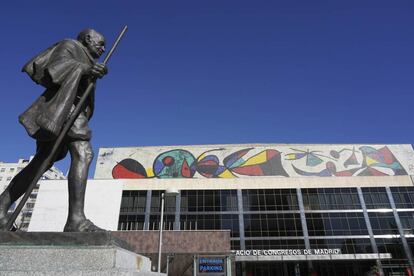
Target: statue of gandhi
65, 70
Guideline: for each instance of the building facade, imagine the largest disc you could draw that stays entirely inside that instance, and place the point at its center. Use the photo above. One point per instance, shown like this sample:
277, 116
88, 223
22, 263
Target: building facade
291, 209
8, 171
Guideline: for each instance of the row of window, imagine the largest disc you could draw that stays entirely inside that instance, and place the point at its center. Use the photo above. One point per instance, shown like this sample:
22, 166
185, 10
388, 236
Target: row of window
11, 169
203, 210
269, 200
279, 225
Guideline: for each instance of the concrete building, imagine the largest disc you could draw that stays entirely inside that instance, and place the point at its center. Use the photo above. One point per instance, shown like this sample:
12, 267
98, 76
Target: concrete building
291, 209
8, 171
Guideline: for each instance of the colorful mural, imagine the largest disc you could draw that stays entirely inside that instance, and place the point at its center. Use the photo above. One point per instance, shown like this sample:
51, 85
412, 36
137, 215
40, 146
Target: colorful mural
261, 161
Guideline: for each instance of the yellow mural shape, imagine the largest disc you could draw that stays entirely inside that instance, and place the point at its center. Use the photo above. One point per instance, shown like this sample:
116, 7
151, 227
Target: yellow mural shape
291, 156
150, 172
226, 174
370, 161
202, 156
259, 158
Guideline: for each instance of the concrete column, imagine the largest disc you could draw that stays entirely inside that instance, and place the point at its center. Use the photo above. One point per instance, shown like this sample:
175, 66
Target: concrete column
177, 212
303, 218
369, 228
303, 222
241, 219
400, 228
241, 226
147, 210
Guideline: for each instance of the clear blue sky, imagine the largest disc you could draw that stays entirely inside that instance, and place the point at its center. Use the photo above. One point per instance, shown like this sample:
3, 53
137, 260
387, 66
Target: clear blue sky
207, 72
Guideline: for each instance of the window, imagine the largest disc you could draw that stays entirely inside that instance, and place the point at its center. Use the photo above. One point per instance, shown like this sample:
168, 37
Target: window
407, 222
208, 200
392, 246
25, 225
410, 242
275, 244
347, 246
168, 223
2, 170
270, 199
272, 225
403, 196
133, 201
11, 169
210, 222
27, 214
333, 224
235, 244
330, 199
383, 223
131, 222
375, 198
1, 178
9, 178
169, 202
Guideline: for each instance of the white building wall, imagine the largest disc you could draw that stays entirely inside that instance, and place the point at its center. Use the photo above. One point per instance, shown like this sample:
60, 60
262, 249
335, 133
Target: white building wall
102, 203
8, 171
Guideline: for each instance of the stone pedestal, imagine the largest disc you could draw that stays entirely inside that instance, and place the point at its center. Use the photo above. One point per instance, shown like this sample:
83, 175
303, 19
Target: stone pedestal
69, 254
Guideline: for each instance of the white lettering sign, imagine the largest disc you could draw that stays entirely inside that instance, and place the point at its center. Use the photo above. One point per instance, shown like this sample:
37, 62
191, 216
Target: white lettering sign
286, 252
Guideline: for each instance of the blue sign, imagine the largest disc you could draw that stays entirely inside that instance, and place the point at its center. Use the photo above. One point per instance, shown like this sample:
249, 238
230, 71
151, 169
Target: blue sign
211, 265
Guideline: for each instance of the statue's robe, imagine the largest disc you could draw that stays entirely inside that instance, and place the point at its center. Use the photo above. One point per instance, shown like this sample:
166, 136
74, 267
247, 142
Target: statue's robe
61, 70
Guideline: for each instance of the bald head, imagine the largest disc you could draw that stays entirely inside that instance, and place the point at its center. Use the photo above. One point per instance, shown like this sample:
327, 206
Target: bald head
93, 41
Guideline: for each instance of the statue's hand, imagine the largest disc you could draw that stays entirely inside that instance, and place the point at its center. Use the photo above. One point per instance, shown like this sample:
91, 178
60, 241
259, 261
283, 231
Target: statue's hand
98, 70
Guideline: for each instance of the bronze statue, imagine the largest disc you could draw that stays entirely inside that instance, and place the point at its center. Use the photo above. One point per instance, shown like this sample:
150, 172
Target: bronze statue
66, 69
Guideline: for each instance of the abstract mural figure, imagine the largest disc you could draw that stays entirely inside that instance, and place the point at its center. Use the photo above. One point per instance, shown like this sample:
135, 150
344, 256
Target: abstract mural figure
330, 170
129, 168
265, 163
380, 158
352, 160
312, 157
209, 166
371, 158
176, 163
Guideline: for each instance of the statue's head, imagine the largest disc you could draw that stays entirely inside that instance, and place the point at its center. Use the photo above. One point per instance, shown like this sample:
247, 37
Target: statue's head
93, 41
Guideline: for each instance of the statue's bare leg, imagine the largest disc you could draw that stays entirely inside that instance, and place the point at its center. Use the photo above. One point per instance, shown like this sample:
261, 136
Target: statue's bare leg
81, 158
20, 183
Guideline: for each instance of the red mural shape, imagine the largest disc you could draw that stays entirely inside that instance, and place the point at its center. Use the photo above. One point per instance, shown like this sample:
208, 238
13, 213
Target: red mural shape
265, 163
129, 168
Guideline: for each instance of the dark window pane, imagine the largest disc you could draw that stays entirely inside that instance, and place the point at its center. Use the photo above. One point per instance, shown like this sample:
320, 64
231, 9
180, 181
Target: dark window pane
383, 223
330, 199
347, 246
332, 224
272, 225
133, 201
131, 222
403, 196
275, 244
375, 198
270, 200
407, 222
393, 246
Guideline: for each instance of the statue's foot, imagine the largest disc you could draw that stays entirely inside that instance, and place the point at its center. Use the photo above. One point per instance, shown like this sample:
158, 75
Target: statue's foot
3, 222
82, 226
5, 203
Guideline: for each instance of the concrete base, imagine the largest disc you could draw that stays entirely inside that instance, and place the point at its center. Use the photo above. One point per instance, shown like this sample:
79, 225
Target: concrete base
69, 254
